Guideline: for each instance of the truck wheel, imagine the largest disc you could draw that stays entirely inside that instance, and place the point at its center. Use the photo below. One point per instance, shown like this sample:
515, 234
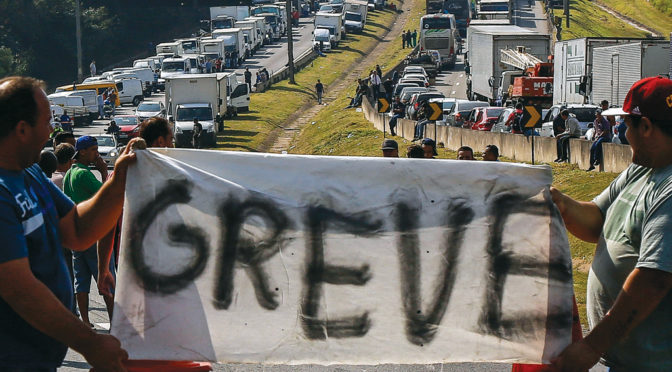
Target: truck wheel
136, 101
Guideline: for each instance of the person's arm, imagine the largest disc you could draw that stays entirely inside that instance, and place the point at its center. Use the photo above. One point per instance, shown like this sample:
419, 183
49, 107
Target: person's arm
583, 219
38, 306
93, 218
642, 291
105, 278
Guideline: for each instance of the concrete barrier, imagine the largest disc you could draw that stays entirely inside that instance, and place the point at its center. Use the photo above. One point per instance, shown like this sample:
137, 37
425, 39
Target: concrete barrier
616, 157
579, 151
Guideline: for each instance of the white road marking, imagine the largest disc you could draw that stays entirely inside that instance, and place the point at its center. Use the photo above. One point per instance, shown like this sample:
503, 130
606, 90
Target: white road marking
105, 326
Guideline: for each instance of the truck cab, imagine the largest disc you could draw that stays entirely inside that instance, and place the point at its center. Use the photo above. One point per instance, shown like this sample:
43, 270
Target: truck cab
333, 23
130, 91
188, 46
353, 22
184, 116
222, 22
323, 37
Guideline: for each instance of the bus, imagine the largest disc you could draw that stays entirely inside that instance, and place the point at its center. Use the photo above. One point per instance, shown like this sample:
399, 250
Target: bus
463, 12
439, 32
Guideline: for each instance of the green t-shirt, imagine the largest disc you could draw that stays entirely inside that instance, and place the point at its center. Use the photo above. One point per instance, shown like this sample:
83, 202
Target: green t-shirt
80, 183
637, 233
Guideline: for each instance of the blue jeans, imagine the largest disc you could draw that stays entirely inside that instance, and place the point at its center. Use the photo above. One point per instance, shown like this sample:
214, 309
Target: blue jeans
596, 151
393, 122
420, 129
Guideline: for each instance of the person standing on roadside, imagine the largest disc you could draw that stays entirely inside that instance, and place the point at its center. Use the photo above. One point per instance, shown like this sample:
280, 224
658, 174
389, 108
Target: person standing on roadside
388, 86
80, 184
66, 122
248, 78
196, 138
403, 39
92, 68
374, 79
629, 292
36, 323
414, 37
319, 90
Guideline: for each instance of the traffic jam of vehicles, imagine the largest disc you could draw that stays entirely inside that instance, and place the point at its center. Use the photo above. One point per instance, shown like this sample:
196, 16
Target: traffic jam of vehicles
199, 77
510, 68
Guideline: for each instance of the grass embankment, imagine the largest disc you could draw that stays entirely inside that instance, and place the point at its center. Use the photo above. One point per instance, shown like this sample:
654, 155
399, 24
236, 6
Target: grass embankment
587, 19
270, 109
340, 131
644, 12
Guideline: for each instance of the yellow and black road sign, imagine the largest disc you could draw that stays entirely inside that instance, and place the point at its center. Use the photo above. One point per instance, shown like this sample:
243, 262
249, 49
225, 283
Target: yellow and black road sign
531, 117
436, 111
383, 105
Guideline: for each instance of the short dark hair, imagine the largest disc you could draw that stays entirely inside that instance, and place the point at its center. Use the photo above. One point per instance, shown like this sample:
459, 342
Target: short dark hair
64, 152
153, 128
564, 112
494, 149
519, 106
415, 151
466, 148
604, 103
48, 162
17, 102
62, 137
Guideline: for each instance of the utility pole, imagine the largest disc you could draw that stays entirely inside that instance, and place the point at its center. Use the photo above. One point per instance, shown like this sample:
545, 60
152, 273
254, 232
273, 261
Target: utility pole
78, 33
290, 42
566, 9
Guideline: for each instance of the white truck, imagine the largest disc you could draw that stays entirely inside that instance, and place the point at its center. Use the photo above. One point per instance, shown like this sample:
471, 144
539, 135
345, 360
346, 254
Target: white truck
202, 96
262, 29
322, 39
188, 46
484, 70
239, 13
148, 77
332, 22
172, 67
280, 21
73, 105
129, 90
146, 63
573, 68
234, 43
222, 22
170, 48
355, 15
254, 35
616, 68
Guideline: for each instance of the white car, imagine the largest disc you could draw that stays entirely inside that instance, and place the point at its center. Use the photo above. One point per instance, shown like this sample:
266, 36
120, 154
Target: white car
150, 109
584, 113
108, 148
414, 70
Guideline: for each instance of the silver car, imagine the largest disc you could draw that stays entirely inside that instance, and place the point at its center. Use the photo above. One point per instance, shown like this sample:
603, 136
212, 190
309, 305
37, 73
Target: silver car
150, 109
108, 148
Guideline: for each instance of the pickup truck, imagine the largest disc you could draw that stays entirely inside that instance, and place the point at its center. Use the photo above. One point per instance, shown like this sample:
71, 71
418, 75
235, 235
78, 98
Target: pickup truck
426, 61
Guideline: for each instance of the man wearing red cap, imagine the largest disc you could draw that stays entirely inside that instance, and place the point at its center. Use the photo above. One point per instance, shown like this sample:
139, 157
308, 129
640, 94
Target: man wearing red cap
629, 299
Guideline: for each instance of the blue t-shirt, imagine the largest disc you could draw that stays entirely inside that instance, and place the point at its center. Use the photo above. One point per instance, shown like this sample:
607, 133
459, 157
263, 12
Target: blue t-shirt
30, 209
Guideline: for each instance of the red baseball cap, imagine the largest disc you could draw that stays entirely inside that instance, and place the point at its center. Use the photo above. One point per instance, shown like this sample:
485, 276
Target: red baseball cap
650, 97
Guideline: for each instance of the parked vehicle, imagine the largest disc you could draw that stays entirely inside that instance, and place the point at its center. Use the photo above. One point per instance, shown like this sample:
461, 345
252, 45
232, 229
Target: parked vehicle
99, 86
148, 110
170, 48
239, 12
222, 22
74, 105
417, 100
616, 68
439, 32
337, 5
399, 87
331, 22
326, 9
419, 82
108, 148
322, 38
175, 66
149, 63
501, 124
89, 100
462, 11
426, 61
460, 110
234, 42
484, 67
585, 114
355, 15
255, 36
447, 105
485, 118
146, 75
278, 22
130, 91
130, 127
414, 70
407, 93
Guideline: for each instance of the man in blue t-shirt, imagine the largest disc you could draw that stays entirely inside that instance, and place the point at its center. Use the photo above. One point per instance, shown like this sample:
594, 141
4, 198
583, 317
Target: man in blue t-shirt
36, 221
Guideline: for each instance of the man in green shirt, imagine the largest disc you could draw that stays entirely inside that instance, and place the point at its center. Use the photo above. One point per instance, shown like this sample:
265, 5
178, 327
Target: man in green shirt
629, 299
81, 184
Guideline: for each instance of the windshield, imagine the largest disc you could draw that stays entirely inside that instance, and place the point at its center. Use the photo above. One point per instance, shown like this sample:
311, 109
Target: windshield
584, 113
126, 120
493, 113
460, 8
222, 23
442, 23
150, 106
141, 64
189, 113
448, 106
271, 19
172, 66
336, 2
105, 141
189, 45
322, 36
326, 8
353, 17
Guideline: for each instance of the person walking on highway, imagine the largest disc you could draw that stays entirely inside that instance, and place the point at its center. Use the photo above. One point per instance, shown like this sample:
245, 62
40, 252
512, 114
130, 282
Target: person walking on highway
319, 89
414, 37
248, 78
218, 64
66, 122
196, 137
92, 68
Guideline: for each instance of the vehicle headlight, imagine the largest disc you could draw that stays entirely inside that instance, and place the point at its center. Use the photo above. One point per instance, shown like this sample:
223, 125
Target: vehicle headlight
113, 153
178, 130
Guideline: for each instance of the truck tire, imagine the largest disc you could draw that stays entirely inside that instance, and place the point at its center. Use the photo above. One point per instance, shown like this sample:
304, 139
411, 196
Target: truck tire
136, 100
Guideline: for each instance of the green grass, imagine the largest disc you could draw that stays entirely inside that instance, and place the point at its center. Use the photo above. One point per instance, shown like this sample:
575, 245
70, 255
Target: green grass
646, 13
587, 19
270, 109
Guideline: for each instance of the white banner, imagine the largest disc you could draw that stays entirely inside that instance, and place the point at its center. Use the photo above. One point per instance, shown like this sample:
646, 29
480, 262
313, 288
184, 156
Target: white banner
281, 259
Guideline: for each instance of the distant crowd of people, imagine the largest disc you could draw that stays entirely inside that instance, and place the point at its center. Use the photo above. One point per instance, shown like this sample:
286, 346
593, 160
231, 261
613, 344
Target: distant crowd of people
427, 150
